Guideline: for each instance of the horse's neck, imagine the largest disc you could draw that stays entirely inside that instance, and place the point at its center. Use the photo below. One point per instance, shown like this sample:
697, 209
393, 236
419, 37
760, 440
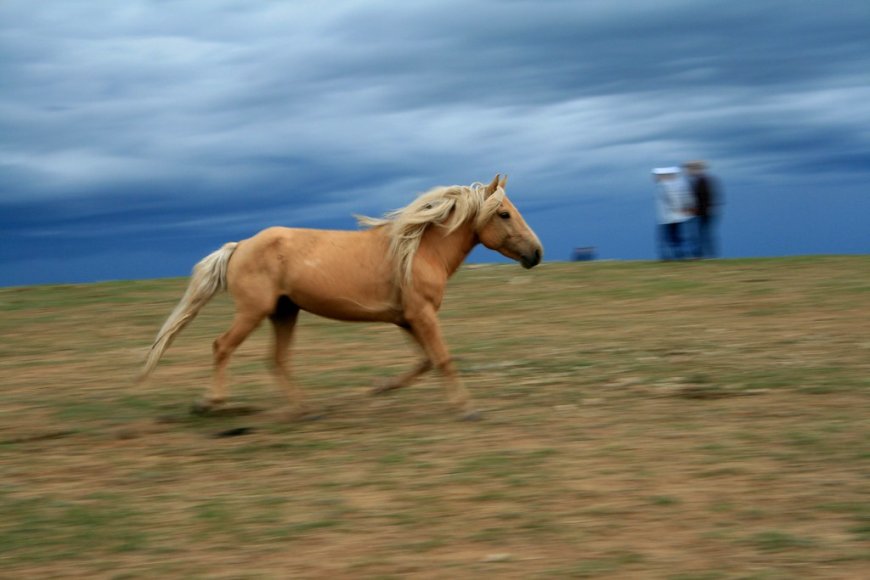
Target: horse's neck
448, 251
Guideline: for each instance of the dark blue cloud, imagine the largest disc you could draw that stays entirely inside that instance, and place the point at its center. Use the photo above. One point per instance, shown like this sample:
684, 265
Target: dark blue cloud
132, 142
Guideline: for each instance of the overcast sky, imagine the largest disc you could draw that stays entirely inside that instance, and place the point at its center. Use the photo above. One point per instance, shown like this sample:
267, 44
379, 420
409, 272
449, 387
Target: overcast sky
136, 137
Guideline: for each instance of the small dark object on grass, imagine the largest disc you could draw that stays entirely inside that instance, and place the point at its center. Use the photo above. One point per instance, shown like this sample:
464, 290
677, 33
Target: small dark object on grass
235, 432
37, 437
472, 416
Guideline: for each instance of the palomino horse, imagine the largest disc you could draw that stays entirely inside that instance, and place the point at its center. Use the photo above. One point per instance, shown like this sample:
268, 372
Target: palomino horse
394, 271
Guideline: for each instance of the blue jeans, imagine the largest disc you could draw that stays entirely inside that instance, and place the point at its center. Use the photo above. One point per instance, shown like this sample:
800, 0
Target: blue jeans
671, 241
705, 241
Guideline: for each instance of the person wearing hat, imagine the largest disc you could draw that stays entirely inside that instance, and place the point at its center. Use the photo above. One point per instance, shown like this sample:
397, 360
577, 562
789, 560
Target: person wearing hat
674, 209
706, 200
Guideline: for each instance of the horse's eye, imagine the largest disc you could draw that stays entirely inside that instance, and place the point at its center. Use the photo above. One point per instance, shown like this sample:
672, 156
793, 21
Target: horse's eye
504, 215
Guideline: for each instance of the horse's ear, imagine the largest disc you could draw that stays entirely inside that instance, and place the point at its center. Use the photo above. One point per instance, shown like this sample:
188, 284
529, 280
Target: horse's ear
503, 182
490, 189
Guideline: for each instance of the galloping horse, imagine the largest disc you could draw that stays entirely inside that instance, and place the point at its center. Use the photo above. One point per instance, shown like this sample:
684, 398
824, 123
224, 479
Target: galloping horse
393, 271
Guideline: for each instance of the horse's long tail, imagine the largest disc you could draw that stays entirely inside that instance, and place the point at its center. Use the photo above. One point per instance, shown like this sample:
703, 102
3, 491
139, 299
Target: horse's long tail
209, 276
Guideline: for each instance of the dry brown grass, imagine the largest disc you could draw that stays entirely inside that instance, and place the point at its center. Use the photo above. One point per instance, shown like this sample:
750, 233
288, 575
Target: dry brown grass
642, 420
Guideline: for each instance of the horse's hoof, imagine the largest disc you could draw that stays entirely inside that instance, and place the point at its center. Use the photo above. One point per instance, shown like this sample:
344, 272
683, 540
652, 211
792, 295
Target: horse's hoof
381, 386
473, 415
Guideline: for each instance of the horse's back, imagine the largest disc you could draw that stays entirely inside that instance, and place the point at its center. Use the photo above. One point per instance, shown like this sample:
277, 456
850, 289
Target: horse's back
335, 273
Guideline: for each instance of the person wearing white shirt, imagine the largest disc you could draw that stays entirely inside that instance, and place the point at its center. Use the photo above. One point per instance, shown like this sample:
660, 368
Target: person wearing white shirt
674, 209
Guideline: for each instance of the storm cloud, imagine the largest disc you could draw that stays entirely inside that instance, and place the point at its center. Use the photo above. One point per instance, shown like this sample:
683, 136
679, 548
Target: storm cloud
135, 137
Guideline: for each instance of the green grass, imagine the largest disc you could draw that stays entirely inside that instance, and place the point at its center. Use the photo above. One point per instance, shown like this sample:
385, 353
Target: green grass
776, 541
641, 420
43, 529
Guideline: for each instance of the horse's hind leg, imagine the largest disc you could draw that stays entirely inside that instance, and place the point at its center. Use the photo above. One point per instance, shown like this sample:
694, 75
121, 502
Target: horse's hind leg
223, 348
284, 324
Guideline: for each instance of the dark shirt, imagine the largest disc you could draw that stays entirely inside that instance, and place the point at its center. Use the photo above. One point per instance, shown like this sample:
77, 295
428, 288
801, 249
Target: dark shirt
704, 192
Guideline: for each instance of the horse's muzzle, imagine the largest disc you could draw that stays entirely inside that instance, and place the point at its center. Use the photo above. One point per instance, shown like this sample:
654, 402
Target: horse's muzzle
531, 260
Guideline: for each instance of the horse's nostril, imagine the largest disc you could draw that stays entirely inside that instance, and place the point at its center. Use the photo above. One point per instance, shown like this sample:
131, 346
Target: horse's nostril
531, 260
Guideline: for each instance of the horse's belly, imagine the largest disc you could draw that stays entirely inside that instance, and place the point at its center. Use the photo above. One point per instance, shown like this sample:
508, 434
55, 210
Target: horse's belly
345, 307
352, 297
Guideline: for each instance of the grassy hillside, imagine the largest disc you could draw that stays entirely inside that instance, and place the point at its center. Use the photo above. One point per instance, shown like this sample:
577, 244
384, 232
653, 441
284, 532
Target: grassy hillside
643, 420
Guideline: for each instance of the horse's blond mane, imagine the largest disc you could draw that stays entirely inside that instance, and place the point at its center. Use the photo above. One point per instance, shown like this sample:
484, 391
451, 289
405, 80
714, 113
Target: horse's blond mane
449, 207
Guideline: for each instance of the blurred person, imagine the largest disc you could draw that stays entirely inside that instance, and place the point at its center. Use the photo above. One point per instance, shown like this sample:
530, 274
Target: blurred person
674, 209
706, 201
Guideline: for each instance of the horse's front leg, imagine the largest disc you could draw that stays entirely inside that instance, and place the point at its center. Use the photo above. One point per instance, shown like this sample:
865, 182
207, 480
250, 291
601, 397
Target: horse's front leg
426, 330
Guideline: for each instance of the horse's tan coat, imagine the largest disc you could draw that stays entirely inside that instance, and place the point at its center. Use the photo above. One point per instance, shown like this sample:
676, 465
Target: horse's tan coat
345, 275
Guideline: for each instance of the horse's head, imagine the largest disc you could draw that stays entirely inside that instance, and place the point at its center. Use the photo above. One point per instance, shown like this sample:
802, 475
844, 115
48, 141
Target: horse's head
505, 230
